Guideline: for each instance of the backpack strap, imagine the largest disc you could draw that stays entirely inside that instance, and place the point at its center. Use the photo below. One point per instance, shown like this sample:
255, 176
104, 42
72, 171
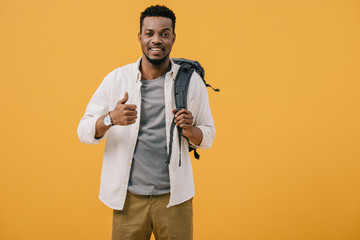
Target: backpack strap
181, 86
198, 68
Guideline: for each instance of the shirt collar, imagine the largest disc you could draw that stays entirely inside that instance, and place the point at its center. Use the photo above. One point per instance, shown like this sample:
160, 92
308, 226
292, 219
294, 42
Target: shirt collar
172, 73
138, 73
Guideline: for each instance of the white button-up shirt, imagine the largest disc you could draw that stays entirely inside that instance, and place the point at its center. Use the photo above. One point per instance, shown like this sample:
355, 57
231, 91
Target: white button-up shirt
121, 140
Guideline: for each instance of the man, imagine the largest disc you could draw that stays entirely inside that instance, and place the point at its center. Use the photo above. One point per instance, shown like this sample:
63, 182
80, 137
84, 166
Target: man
147, 192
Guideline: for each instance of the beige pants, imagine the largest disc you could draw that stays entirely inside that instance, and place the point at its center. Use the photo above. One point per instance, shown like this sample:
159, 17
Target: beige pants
143, 215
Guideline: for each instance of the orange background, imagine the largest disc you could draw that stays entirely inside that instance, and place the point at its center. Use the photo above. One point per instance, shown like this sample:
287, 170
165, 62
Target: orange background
285, 162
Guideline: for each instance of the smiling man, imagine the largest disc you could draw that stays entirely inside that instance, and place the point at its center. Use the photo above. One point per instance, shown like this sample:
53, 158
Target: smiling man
133, 109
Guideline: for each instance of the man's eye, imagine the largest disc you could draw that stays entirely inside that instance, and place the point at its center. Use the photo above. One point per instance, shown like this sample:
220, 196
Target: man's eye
165, 34
148, 34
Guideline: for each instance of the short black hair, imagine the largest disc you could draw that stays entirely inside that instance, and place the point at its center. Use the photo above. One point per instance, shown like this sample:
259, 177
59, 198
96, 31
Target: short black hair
158, 11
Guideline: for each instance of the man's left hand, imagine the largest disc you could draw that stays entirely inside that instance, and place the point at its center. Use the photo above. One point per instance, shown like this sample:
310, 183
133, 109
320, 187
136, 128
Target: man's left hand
185, 120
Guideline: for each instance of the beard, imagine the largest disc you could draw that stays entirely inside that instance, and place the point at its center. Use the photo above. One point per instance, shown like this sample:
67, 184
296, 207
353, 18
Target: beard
156, 62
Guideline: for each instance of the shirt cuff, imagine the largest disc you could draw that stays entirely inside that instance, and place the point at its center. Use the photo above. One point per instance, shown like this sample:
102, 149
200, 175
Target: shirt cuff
192, 145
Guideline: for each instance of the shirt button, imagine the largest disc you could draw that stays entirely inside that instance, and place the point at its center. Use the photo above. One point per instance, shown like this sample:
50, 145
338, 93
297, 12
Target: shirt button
129, 164
125, 181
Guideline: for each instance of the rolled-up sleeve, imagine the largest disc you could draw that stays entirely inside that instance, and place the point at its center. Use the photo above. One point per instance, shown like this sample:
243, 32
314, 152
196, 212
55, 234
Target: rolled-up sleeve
98, 105
203, 118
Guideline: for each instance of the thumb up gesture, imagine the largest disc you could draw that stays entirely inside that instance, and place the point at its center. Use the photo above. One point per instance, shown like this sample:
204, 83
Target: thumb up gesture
124, 114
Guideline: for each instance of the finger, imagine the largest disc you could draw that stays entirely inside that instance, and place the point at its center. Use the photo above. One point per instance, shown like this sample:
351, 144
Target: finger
130, 107
184, 116
185, 126
127, 121
174, 111
131, 122
130, 118
181, 119
184, 121
182, 111
130, 112
124, 100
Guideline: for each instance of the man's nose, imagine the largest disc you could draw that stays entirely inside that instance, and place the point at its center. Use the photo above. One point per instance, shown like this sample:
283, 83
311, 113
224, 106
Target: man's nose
156, 39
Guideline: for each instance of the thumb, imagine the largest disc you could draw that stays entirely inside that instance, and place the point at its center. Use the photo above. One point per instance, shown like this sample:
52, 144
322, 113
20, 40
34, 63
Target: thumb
124, 100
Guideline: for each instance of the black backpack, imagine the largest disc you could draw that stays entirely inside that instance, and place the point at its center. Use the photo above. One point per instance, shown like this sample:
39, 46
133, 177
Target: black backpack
187, 67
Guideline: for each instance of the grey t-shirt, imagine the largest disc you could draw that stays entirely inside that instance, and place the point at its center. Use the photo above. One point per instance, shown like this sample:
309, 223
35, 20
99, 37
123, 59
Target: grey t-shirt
149, 171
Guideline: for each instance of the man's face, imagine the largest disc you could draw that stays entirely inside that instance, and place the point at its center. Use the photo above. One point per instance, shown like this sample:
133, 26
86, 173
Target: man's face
156, 39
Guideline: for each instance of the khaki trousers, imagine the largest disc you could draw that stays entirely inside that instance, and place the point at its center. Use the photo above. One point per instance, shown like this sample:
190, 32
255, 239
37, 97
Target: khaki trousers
143, 215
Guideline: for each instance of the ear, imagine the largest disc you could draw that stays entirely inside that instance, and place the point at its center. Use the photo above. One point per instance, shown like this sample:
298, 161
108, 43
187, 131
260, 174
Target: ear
139, 36
174, 37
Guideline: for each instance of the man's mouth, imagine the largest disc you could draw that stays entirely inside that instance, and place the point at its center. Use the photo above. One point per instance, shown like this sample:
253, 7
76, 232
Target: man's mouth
156, 49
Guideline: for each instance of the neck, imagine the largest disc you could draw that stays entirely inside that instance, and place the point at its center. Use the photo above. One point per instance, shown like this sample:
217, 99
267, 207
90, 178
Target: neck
150, 71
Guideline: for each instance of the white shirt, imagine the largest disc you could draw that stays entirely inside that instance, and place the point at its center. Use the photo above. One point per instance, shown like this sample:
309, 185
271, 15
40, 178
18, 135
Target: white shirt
121, 140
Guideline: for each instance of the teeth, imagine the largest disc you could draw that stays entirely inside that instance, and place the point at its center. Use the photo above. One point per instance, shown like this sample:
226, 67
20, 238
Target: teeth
156, 49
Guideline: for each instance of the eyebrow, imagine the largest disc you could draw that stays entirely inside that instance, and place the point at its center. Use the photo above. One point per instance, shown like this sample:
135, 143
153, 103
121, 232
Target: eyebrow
165, 29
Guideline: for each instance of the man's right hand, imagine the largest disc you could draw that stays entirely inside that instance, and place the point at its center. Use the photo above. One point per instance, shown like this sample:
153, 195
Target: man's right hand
124, 114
